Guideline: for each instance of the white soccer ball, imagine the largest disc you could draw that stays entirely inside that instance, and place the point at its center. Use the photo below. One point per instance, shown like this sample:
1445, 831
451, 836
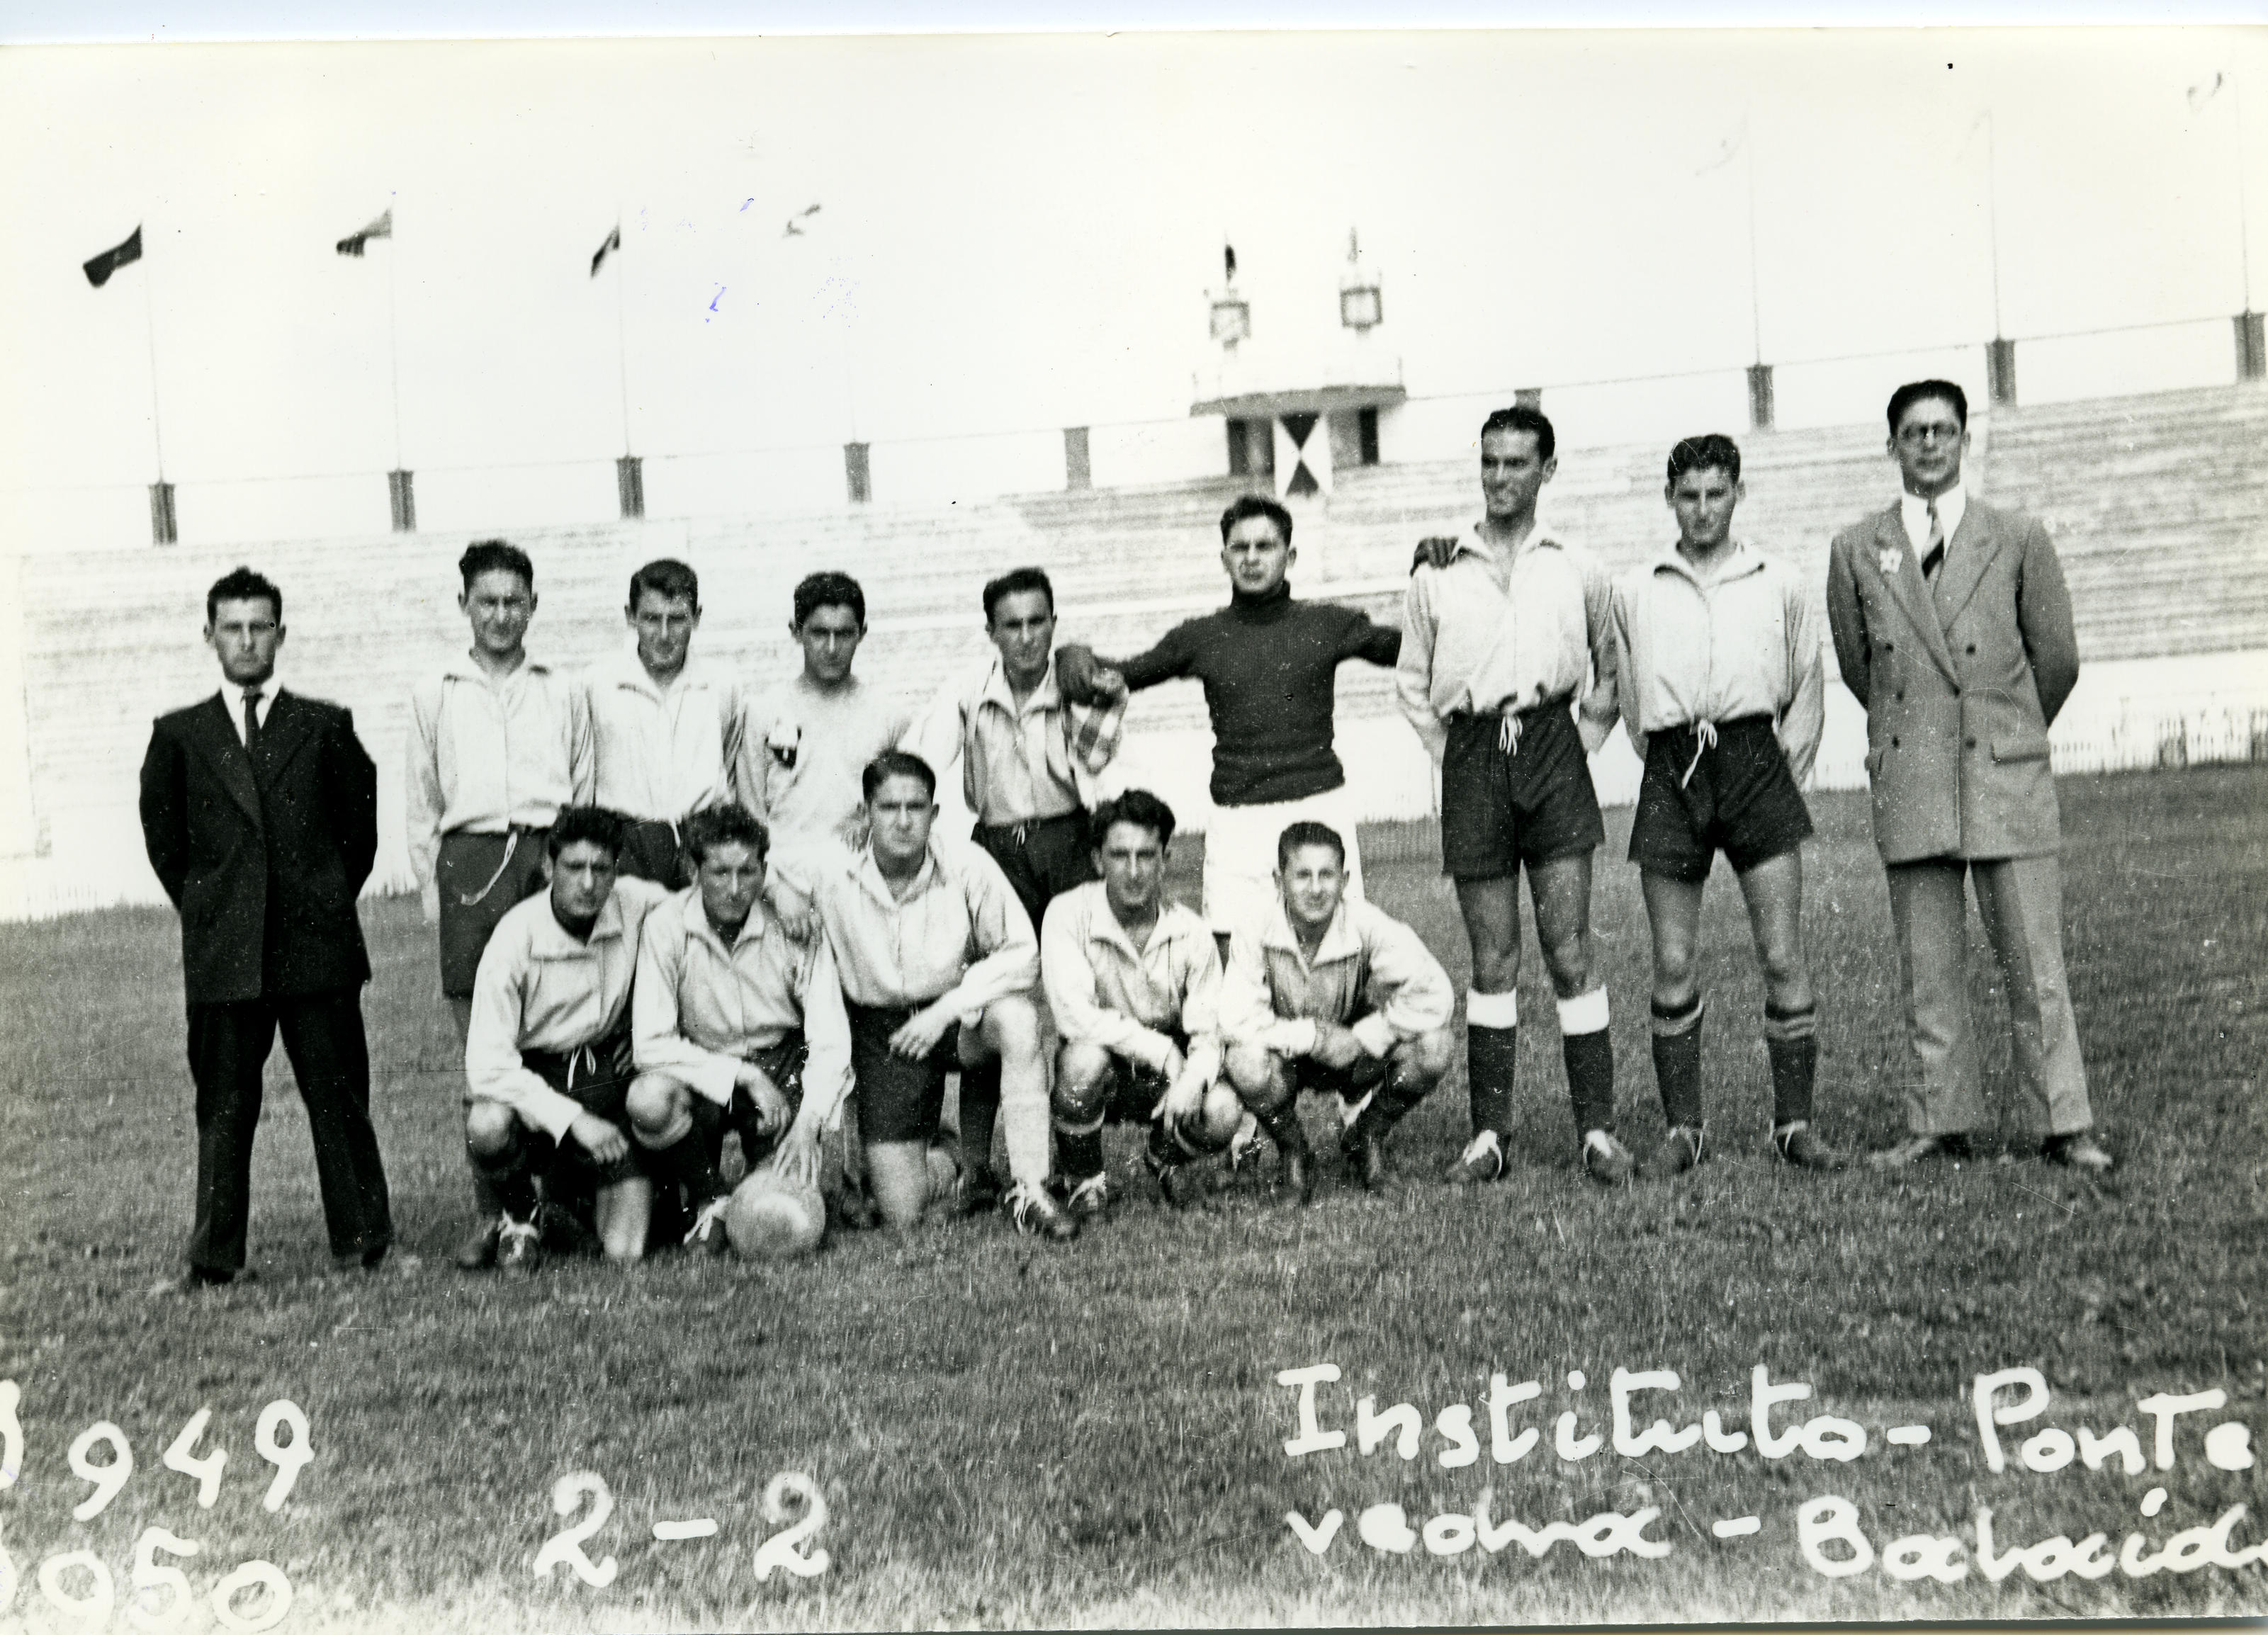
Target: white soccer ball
769, 1218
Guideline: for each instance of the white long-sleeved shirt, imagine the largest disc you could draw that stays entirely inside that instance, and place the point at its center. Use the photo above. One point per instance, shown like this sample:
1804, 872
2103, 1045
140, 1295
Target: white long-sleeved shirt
539, 988
1102, 991
802, 755
1741, 642
1474, 642
959, 935
662, 754
486, 754
1273, 994
701, 1009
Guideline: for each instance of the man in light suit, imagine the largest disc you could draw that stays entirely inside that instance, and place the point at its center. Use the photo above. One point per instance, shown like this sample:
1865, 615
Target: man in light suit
259, 810
1953, 628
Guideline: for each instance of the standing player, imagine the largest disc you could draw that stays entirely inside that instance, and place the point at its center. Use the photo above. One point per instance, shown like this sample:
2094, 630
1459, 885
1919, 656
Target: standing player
1500, 630
498, 742
733, 1023
809, 740
937, 960
1134, 983
1269, 668
1030, 760
1326, 993
1953, 628
548, 1063
668, 726
1722, 688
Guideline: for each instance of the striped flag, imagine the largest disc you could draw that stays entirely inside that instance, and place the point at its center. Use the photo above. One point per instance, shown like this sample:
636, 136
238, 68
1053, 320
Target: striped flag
613, 242
99, 270
382, 228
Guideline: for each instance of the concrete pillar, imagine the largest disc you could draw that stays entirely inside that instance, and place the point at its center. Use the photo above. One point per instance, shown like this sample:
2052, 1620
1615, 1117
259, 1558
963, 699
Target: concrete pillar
163, 530
1760, 397
1528, 397
401, 498
2251, 347
1079, 471
2001, 372
630, 487
858, 472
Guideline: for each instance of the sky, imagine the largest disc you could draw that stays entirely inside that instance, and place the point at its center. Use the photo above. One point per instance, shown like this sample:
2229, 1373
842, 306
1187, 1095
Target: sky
1017, 232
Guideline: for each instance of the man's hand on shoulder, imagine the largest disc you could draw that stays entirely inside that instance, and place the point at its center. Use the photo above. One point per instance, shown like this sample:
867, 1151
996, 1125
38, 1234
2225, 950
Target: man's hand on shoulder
1084, 680
1435, 551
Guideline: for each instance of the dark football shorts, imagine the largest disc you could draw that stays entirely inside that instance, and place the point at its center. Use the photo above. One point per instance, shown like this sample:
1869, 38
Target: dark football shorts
1042, 859
1503, 810
652, 850
899, 1101
1741, 801
1350, 1083
482, 877
1130, 1091
782, 1064
597, 1078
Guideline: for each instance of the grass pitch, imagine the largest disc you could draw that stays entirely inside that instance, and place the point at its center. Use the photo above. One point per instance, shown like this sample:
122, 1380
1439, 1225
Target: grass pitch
1007, 1434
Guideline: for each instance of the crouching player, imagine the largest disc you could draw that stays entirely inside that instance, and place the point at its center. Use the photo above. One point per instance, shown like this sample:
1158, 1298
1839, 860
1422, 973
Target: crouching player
548, 1066
1324, 993
938, 961
1722, 694
734, 1024
1134, 982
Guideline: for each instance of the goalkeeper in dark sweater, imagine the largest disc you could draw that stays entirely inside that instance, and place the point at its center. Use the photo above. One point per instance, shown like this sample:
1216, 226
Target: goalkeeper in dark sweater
1270, 665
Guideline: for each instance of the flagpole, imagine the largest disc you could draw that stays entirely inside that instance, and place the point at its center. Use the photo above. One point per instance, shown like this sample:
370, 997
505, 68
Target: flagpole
1755, 300
392, 343
149, 334
2244, 225
1993, 214
621, 333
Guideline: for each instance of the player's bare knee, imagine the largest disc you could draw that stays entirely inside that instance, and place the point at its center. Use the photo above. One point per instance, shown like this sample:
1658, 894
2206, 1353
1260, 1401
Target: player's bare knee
1568, 960
1260, 1076
654, 1102
1223, 1111
1424, 1060
490, 1129
1496, 970
1010, 1028
1081, 1072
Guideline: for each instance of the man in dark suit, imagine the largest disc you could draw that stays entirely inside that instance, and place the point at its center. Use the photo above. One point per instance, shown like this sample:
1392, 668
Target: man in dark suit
1953, 629
260, 809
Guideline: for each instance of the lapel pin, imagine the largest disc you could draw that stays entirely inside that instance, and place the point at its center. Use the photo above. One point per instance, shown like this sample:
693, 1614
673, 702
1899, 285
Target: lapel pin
1891, 558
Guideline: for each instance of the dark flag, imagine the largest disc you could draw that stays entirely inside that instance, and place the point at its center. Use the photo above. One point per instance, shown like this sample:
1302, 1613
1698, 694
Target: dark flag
99, 270
1228, 258
795, 222
382, 228
613, 242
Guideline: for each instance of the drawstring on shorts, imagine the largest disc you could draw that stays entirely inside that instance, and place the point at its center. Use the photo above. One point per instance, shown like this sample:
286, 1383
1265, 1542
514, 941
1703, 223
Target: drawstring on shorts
1705, 739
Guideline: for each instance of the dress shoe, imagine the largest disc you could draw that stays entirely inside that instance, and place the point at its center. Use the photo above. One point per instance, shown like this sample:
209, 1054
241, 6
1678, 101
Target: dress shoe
1954, 1145
198, 1279
1481, 1162
2080, 1150
1679, 1152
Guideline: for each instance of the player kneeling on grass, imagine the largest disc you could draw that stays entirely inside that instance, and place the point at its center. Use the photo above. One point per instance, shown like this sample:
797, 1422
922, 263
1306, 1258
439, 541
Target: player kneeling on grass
938, 961
734, 1024
1722, 692
1134, 982
1326, 994
548, 1066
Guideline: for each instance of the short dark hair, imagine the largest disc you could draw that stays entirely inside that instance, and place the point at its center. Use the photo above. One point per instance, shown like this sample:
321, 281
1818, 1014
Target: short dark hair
728, 824
242, 585
829, 590
499, 557
597, 825
1307, 832
1711, 451
1521, 417
1257, 505
1914, 391
1015, 582
669, 578
897, 763
1138, 806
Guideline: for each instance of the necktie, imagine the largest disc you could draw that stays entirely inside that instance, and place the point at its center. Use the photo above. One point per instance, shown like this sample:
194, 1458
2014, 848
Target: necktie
252, 720
1933, 559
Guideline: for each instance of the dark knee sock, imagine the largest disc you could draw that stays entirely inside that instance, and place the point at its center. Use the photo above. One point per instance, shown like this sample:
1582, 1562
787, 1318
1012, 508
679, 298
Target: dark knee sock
1491, 1055
505, 1178
1677, 1062
1079, 1155
1283, 1126
1589, 1052
691, 1162
980, 1112
1791, 1041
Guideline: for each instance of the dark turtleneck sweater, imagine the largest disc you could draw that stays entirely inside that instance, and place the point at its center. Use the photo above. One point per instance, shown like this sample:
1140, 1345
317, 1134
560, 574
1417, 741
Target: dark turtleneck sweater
1270, 666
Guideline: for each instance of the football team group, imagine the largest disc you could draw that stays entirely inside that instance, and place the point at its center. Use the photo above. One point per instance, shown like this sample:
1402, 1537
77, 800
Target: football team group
690, 931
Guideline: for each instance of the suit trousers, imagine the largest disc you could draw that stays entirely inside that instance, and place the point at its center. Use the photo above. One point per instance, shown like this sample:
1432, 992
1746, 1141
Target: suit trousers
2021, 902
229, 1043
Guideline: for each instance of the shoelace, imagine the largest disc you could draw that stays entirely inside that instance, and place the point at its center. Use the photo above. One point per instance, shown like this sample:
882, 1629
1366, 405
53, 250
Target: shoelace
711, 1218
1705, 739
516, 1231
1096, 1187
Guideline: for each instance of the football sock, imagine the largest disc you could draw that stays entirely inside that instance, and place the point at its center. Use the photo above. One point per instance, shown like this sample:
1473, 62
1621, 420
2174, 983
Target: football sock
506, 1178
1491, 1051
980, 1112
1677, 1061
1283, 1125
1791, 1041
1078, 1152
1589, 1052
